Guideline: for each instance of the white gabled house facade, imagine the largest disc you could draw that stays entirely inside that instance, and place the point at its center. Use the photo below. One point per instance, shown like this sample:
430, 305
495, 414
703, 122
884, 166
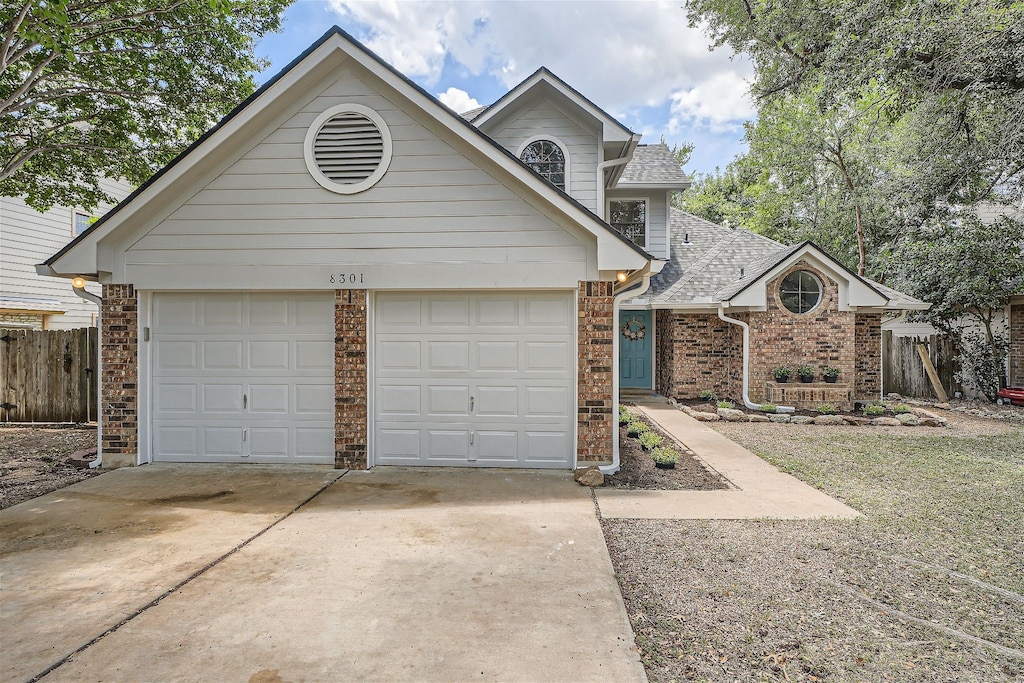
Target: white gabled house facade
345, 271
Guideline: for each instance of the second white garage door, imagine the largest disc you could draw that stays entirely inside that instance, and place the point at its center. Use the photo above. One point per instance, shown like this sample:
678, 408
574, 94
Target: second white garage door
475, 379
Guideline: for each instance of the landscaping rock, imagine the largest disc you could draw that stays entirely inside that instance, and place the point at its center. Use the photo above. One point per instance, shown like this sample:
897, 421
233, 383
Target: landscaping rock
784, 419
929, 422
758, 418
829, 420
943, 406
908, 419
589, 476
732, 415
704, 417
886, 422
801, 420
856, 420
925, 414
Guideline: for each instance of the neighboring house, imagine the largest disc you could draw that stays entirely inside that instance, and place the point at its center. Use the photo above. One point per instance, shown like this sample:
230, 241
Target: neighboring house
345, 271
31, 301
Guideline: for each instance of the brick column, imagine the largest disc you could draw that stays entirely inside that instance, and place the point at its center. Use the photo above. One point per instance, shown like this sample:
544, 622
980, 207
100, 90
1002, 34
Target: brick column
119, 322
595, 328
1017, 345
868, 360
350, 379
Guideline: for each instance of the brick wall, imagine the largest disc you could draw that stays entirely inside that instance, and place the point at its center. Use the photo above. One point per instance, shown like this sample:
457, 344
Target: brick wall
119, 325
698, 351
1017, 345
350, 378
32, 321
596, 326
868, 362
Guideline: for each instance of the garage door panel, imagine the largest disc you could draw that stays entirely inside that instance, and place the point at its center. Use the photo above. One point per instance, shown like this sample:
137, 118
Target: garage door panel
547, 402
398, 312
447, 400
548, 312
548, 357
497, 401
447, 356
276, 349
498, 312
497, 446
398, 444
497, 356
399, 399
447, 444
546, 447
448, 311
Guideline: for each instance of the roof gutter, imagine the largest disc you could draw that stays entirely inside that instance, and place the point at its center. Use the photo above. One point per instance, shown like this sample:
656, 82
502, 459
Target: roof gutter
746, 365
643, 285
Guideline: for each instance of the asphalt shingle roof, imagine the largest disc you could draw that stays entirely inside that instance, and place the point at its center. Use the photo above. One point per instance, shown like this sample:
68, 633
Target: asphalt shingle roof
652, 165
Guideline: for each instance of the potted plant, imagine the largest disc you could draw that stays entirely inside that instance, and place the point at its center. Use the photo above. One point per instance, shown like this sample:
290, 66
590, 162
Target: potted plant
806, 373
830, 373
783, 374
665, 458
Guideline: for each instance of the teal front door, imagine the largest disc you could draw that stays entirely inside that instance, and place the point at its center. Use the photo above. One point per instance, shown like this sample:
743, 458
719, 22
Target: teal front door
635, 338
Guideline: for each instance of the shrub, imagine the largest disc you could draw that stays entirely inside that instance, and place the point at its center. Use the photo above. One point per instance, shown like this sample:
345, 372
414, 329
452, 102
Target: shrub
783, 371
650, 440
901, 408
873, 409
636, 428
768, 407
827, 408
829, 371
726, 404
708, 395
625, 415
804, 370
665, 455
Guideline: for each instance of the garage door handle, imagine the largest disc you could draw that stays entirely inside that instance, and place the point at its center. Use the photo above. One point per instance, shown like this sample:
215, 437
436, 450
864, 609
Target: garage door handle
245, 401
472, 402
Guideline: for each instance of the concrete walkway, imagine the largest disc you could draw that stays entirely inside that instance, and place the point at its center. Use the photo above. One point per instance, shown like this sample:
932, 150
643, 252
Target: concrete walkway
391, 574
762, 491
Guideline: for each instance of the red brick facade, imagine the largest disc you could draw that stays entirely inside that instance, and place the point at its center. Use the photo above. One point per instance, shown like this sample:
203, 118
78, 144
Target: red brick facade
350, 398
1017, 345
595, 342
698, 351
119, 343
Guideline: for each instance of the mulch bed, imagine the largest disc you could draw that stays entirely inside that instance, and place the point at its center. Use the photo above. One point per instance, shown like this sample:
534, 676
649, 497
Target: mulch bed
637, 470
34, 461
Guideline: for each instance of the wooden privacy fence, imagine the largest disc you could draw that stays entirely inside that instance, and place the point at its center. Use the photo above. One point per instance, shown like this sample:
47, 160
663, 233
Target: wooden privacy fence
48, 375
904, 372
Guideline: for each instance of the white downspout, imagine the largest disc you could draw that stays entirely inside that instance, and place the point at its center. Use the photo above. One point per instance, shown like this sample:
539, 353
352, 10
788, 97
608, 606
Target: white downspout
98, 300
644, 285
746, 365
601, 167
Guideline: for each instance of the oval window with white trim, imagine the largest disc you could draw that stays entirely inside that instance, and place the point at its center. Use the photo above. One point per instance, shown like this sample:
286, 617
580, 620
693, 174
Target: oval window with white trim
800, 291
348, 148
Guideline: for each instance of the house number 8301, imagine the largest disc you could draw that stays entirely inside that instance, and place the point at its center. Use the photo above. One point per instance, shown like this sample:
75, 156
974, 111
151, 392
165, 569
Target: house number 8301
346, 278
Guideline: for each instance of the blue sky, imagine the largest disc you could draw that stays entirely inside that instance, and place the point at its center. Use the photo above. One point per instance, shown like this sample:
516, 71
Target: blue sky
637, 59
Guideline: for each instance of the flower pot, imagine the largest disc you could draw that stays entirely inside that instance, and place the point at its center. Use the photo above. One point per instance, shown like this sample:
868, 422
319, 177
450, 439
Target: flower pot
806, 378
665, 465
782, 379
831, 379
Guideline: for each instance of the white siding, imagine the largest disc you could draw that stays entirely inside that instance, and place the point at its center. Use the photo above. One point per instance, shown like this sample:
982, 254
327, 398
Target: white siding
28, 237
434, 207
657, 217
546, 120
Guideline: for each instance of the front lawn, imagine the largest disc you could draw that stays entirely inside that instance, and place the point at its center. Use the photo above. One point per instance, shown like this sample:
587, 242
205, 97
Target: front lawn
926, 586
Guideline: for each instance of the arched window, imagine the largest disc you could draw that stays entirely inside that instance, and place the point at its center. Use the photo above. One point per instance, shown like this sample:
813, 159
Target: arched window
547, 159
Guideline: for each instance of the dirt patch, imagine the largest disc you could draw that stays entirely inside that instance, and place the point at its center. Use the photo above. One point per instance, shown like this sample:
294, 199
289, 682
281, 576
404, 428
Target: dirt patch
926, 586
637, 470
33, 461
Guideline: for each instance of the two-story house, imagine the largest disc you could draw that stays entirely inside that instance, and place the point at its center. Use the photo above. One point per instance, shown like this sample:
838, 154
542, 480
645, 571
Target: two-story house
345, 271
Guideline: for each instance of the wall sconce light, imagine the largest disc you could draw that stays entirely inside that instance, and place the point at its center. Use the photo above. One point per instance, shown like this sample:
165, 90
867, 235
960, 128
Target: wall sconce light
78, 283
622, 276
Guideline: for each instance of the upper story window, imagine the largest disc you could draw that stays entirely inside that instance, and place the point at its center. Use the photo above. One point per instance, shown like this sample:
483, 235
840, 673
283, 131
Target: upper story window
629, 217
800, 291
547, 159
80, 223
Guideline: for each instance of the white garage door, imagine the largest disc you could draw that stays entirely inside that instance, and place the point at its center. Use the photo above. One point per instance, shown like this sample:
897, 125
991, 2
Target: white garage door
474, 379
243, 377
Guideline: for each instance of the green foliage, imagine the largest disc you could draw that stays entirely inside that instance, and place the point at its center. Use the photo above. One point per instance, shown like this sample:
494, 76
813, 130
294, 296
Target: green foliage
872, 409
636, 428
769, 408
804, 370
708, 395
625, 414
782, 371
650, 440
726, 404
116, 89
665, 455
900, 408
829, 371
827, 409
968, 270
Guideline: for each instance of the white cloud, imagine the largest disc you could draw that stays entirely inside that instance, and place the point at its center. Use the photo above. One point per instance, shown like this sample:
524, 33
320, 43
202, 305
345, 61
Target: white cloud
457, 100
720, 104
621, 55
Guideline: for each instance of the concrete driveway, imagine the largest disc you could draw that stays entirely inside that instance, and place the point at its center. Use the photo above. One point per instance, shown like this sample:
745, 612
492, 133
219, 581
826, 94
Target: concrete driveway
250, 573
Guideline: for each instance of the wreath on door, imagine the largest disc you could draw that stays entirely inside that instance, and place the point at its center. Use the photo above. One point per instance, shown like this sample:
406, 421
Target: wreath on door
634, 329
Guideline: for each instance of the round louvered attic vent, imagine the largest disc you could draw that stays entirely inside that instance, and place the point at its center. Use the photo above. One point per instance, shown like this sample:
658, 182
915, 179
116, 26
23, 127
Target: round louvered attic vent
348, 148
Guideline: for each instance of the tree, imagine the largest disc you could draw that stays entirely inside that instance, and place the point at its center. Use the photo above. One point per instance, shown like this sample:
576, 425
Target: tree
93, 88
968, 270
